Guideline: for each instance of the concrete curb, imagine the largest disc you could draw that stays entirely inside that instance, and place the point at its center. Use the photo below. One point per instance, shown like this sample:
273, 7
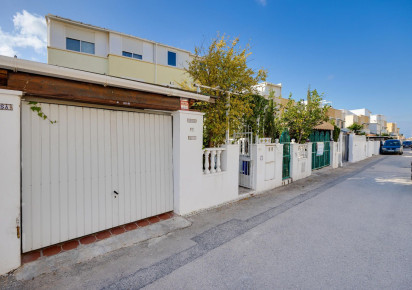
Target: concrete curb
87, 252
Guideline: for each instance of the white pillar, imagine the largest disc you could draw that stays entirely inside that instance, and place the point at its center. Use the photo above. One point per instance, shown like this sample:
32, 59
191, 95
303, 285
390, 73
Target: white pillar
9, 180
187, 158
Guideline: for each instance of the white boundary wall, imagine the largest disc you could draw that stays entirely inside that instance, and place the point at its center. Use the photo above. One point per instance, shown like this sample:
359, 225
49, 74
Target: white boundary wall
335, 154
267, 166
360, 149
377, 146
10, 181
357, 148
193, 189
301, 160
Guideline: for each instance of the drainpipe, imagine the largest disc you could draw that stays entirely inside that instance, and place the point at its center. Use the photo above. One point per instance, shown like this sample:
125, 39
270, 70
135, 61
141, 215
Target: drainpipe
155, 62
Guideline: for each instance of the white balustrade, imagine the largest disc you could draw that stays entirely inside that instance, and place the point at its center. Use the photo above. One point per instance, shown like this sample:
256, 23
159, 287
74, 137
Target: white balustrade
212, 160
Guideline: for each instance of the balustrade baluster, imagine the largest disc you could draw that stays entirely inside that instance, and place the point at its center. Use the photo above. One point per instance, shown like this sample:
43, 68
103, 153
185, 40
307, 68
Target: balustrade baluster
212, 162
207, 171
219, 153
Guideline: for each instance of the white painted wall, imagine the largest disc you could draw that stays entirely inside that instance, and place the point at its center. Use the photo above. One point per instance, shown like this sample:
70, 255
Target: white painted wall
115, 43
267, 166
59, 31
357, 148
359, 112
335, 155
194, 190
300, 167
360, 149
56, 34
377, 147
181, 57
10, 181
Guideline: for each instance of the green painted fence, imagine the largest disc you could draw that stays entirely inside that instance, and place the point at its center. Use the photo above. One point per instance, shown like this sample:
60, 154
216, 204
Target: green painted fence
319, 161
285, 140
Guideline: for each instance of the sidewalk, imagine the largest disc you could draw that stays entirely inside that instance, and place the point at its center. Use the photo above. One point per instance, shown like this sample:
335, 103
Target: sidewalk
159, 255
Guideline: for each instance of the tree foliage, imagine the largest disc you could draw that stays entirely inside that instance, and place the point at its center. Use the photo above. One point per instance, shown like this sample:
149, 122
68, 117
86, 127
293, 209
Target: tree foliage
336, 133
356, 128
301, 117
264, 120
223, 65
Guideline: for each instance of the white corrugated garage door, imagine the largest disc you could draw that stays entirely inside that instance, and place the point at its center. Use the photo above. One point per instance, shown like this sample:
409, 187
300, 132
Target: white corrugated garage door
71, 169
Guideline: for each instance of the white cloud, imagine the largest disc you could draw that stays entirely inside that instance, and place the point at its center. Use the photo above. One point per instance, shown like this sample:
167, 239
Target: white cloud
262, 2
30, 31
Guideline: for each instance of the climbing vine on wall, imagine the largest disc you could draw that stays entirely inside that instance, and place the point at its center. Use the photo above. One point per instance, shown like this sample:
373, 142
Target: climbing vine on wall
35, 107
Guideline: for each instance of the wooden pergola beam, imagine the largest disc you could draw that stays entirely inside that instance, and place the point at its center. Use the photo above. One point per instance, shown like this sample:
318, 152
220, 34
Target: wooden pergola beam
63, 89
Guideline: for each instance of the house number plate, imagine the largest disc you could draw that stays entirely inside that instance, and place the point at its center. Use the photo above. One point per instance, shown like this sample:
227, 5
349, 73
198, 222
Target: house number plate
7, 107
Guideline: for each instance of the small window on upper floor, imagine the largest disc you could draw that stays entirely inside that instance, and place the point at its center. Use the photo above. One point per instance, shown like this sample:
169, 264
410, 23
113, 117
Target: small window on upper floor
133, 55
171, 58
79, 45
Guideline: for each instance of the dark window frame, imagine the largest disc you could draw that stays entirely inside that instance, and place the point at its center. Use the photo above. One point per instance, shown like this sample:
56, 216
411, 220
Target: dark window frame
80, 42
171, 58
132, 55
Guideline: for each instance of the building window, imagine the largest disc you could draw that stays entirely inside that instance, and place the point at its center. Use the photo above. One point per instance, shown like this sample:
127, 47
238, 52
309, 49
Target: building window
133, 55
171, 58
79, 45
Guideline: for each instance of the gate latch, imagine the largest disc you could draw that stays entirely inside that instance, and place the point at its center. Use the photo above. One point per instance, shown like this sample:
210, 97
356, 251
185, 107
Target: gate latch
115, 192
18, 227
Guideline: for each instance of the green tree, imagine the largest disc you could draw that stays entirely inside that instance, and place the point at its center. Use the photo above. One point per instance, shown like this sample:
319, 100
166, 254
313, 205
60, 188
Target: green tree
356, 128
223, 66
336, 131
301, 117
256, 120
272, 126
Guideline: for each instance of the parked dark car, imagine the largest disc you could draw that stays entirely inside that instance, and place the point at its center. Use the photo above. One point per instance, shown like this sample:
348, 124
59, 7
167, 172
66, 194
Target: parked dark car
407, 144
392, 146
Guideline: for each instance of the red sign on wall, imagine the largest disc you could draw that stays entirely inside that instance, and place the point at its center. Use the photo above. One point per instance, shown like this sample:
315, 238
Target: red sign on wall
184, 104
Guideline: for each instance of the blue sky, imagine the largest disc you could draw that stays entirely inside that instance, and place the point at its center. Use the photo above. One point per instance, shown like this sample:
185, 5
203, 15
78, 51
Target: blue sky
359, 53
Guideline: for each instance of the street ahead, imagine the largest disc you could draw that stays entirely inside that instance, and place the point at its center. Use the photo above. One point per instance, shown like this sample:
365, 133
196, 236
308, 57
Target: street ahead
338, 229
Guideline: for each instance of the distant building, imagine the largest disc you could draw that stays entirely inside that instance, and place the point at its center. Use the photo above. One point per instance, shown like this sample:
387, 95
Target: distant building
265, 89
349, 117
378, 124
337, 116
393, 130
359, 112
363, 118
90, 48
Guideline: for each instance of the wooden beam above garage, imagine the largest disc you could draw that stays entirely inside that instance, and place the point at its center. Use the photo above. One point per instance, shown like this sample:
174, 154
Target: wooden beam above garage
63, 89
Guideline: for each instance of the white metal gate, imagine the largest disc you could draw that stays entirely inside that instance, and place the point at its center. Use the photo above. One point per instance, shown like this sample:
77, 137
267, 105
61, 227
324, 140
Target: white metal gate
245, 159
92, 170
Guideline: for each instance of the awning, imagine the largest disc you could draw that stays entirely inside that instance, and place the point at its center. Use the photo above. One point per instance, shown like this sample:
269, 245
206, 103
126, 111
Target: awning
324, 126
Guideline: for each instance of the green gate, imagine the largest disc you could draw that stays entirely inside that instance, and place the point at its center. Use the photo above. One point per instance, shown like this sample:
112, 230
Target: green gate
319, 161
285, 140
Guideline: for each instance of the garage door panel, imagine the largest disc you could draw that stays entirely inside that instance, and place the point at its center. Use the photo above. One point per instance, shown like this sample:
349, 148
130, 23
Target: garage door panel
94, 176
54, 176
79, 175
87, 171
36, 179
71, 174
106, 168
62, 126
27, 172
70, 170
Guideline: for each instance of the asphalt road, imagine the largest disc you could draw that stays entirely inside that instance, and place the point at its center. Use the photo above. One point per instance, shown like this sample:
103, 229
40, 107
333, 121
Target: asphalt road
338, 229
